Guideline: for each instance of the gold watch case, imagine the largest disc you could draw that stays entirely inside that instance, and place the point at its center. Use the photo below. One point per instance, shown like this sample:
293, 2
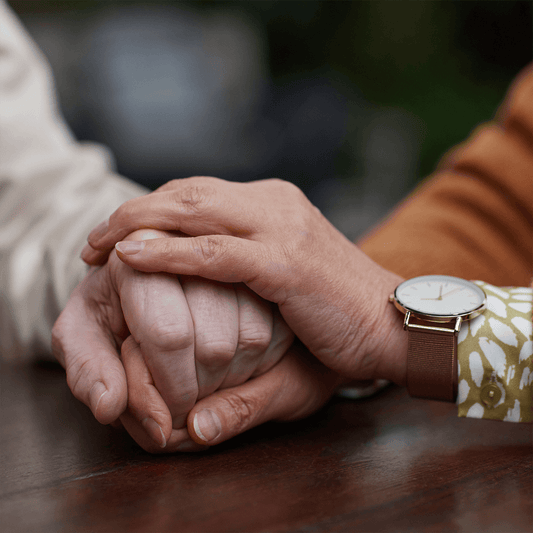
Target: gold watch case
457, 317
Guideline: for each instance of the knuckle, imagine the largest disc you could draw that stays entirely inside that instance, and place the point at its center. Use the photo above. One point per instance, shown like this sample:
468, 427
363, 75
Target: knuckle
194, 194
254, 341
287, 187
209, 248
215, 354
171, 332
207, 180
166, 253
243, 410
276, 182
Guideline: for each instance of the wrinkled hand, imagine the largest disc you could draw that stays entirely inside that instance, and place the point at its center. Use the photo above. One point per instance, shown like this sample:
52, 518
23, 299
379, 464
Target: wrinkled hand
294, 388
178, 343
269, 236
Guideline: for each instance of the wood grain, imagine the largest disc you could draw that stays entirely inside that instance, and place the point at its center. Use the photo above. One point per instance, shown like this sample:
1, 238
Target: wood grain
389, 463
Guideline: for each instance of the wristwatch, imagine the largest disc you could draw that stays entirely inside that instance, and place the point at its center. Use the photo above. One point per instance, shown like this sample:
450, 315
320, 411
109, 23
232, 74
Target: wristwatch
434, 308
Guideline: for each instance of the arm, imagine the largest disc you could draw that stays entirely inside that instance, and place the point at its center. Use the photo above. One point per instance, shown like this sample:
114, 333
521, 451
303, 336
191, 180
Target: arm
478, 206
483, 190
52, 191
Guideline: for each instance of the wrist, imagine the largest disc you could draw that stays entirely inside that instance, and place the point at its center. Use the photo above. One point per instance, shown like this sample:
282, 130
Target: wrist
390, 338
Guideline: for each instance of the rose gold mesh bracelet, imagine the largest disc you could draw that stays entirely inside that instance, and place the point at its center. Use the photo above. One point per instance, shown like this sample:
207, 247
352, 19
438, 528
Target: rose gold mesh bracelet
432, 363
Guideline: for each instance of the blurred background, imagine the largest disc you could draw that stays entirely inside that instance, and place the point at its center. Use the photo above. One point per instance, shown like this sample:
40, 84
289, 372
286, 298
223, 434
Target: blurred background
354, 101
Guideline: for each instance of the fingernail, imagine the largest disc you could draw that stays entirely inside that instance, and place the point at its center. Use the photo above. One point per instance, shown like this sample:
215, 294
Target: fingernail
99, 231
207, 425
154, 430
95, 396
130, 247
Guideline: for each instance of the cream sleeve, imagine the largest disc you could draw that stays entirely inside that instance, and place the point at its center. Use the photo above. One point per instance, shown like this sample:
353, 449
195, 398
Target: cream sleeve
53, 190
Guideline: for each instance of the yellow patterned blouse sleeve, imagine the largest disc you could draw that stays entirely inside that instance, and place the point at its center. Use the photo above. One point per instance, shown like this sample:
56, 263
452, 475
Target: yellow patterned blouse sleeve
495, 357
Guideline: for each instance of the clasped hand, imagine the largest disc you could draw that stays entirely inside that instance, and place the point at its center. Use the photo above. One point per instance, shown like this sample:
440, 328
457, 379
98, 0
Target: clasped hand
267, 236
146, 348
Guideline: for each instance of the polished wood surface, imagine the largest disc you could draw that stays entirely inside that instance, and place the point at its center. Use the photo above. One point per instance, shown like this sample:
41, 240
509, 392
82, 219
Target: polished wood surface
389, 463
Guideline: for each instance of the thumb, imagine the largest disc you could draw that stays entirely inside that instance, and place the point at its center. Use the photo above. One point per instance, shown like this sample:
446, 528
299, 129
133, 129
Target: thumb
296, 387
95, 374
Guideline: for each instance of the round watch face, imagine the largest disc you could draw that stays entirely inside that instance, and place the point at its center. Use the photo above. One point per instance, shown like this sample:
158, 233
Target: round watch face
440, 296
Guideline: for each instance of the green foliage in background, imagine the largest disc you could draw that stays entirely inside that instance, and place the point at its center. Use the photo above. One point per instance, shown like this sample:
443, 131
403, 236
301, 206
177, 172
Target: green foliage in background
447, 62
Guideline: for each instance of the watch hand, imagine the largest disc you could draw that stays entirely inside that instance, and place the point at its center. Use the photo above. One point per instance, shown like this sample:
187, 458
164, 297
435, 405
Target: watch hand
452, 291
439, 297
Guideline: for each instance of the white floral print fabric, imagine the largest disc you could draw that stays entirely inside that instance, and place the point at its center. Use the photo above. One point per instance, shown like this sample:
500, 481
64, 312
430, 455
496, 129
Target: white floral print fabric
495, 357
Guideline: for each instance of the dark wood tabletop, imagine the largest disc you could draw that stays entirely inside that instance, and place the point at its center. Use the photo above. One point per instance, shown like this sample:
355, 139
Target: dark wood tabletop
387, 463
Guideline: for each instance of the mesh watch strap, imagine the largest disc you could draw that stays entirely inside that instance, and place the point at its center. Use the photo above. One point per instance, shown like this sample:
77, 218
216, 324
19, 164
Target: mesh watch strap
432, 363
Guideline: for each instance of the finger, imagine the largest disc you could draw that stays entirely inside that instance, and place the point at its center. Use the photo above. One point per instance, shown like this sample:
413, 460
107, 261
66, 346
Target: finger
179, 440
158, 317
97, 257
193, 206
144, 401
282, 338
94, 257
215, 314
216, 257
89, 355
255, 334
148, 419
296, 387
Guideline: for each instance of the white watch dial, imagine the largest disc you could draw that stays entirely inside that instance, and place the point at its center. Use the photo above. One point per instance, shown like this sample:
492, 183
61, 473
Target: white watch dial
440, 295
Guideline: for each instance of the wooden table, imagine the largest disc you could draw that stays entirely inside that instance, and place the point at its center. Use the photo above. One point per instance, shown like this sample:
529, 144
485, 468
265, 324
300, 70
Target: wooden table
389, 463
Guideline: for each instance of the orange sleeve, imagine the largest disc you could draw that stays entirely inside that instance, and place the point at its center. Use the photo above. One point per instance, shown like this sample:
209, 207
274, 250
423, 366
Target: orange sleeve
474, 217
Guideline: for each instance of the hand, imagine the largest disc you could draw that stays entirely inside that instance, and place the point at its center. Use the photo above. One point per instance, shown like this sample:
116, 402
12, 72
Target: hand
268, 235
295, 388
445, 295
440, 296
184, 344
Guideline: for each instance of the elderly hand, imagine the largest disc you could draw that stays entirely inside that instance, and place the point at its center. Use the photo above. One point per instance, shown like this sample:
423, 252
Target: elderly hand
267, 235
179, 343
294, 388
